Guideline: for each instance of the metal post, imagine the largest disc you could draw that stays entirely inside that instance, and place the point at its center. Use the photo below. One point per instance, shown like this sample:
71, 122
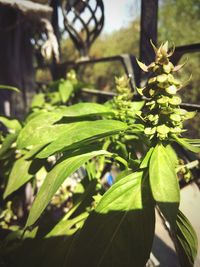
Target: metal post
149, 18
55, 4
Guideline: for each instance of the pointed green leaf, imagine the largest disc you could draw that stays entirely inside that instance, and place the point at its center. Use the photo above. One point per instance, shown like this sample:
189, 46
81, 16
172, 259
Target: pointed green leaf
172, 155
7, 143
164, 183
40, 130
38, 100
186, 241
8, 87
68, 227
54, 180
186, 144
85, 109
19, 175
146, 159
195, 142
44, 128
11, 124
82, 133
137, 105
66, 89
120, 231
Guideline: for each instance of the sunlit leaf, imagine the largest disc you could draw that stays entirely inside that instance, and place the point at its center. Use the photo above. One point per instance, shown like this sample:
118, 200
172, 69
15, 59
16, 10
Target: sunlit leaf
164, 183
66, 89
7, 143
54, 180
85, 109
40, 130
146, 159
18, 176
120, 231
186, 241
12, 125
82, 133
186, 144
68, 227
38, 100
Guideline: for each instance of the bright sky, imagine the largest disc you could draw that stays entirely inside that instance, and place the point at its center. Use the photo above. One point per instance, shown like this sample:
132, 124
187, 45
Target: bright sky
119, 13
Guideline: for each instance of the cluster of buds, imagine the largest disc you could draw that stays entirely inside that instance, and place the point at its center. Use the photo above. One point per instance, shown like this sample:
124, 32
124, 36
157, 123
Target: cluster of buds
122, 102
163, 116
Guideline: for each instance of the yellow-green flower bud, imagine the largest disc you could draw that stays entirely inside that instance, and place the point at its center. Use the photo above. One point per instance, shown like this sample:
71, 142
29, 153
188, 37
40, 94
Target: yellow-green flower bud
151, 92
150, 131
163, 100
175, 100
152, 80
171, 90
162, 129
176, 130
189, 115
168, 67
175, 117
162, 78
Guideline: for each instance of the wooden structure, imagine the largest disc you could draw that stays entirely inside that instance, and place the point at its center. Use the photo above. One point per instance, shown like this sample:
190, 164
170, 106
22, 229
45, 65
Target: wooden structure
18, 21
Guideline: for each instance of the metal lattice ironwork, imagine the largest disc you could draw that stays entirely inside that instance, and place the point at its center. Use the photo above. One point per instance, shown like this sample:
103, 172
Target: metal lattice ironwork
84, 20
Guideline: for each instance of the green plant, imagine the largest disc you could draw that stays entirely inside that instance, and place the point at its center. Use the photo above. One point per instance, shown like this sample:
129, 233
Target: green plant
113, 227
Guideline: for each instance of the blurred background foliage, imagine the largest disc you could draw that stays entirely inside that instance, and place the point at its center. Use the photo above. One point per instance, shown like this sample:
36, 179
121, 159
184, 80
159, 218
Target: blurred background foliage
178, 22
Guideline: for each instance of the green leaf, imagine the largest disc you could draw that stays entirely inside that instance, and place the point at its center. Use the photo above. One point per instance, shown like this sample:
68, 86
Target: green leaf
195, 142
146, 159
11, 124
9, 88
172, 155
85, 109
120, 231
38, 100
186, 241
123, 174
186, 144
66, 89
164, 183
54, 180
7, 143
82, 133
68, 227
40, 130
189, 115
19, 175
42, 125
137, 105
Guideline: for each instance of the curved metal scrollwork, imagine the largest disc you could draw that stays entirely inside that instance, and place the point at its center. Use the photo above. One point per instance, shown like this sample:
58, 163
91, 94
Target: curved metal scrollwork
84, 20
